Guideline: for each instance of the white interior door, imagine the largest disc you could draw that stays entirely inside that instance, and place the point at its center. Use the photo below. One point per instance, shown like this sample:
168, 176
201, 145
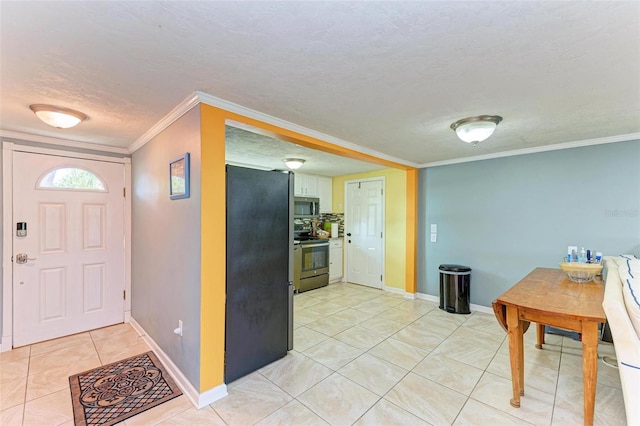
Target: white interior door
363, 229
72, 279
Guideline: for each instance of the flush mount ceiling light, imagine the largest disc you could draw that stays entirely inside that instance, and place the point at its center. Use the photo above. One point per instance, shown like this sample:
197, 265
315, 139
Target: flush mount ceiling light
476, 129
294, 163
61, 118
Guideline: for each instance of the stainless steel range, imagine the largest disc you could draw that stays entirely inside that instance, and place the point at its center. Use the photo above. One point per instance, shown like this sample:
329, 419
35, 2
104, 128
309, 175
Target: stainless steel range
310, 258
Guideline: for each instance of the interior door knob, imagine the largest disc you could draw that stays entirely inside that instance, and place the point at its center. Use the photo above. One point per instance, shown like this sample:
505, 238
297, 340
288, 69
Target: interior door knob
23, 258
349, 234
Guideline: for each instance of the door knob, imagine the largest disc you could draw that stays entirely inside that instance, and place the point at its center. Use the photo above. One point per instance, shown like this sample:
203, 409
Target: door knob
349, 234
23, 258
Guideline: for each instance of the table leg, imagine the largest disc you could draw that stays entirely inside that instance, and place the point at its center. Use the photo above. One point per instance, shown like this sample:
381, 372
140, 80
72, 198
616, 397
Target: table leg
539, 335
589, 367
516, 354
521, 364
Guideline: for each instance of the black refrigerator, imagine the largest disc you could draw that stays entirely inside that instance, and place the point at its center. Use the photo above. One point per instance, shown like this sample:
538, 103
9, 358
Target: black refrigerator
259, 306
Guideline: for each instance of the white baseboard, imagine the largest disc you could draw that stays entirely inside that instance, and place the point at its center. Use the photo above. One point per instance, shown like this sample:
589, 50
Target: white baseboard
480, 308
395, 290
473, 307
6, 343
436, 299
428, 297
199, 400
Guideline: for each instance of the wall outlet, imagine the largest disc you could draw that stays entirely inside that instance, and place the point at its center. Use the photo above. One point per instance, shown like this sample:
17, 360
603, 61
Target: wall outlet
434, 228
434, 238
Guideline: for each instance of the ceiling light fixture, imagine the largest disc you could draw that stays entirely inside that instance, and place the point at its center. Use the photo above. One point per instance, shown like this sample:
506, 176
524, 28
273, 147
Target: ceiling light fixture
61, 118
294, 163
476, 129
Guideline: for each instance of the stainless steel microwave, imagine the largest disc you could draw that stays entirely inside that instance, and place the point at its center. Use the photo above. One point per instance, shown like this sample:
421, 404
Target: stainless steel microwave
306, 207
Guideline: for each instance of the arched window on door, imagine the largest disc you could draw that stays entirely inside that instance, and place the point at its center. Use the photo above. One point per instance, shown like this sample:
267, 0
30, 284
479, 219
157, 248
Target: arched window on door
71, 178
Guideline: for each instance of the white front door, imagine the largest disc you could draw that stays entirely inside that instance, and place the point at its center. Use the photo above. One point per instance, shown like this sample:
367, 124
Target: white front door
68, 271
363, 229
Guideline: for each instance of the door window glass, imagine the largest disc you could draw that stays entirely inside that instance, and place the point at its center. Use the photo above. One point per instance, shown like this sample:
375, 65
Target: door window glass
71, 178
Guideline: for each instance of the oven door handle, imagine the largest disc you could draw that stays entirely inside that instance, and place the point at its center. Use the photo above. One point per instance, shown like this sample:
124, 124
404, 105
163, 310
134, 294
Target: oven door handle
315, 245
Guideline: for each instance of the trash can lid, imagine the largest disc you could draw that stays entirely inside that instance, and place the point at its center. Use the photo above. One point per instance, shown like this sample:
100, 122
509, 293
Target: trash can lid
454, 268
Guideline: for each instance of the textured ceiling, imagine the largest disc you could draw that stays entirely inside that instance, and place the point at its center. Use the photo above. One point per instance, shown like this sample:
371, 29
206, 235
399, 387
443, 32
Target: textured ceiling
388, 76
247, 147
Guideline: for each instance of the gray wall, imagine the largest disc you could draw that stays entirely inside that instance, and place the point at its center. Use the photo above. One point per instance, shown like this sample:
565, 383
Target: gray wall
166, 245
506, 216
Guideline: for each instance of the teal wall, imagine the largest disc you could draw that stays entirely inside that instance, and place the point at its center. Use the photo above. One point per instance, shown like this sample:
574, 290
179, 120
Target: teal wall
503, 217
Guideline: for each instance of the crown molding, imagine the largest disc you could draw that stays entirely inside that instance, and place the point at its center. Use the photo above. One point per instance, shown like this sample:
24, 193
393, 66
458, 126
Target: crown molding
265, 118
205, 98
535, 150
26, 137
181, 109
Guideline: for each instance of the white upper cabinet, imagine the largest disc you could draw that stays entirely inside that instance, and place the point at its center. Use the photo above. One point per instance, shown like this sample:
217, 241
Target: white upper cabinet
305, 185
325, 192
315, 186
298, 191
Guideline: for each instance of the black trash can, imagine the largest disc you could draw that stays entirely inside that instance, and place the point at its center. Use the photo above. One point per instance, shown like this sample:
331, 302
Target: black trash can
454, 288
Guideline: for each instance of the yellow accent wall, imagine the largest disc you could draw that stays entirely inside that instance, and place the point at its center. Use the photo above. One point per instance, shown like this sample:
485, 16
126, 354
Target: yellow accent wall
213, 260
411, 242
395, 227
213, 247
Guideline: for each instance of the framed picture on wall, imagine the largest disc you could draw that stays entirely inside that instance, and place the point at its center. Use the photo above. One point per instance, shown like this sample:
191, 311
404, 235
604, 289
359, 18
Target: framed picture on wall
179, 177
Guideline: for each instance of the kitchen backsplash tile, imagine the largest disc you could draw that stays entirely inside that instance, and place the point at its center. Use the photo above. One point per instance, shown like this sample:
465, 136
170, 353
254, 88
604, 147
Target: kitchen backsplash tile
328, 217
334, 218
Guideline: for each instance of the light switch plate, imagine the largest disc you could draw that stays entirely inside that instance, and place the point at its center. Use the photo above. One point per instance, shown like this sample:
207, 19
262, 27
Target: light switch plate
434, 237
434, 228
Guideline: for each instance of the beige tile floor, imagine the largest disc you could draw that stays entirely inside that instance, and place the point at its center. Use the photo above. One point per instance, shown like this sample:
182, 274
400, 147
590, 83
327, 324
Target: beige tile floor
361, 356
